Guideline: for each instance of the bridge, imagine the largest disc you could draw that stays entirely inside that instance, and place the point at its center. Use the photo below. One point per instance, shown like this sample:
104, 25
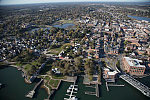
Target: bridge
138, 85
31, 93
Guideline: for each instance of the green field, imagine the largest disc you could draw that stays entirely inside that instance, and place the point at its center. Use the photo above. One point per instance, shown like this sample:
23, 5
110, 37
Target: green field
55, 51
54, 83
66, 21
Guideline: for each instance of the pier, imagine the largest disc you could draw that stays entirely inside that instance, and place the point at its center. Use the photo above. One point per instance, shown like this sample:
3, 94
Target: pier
96, 93
71, 90
31, 93
116, 85
90, 93
107, 87
138, 85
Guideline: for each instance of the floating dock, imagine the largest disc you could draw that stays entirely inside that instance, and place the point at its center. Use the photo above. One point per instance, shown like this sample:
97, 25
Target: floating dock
71, 90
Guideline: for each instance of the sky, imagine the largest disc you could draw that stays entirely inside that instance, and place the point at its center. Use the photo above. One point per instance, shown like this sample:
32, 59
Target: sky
3, 2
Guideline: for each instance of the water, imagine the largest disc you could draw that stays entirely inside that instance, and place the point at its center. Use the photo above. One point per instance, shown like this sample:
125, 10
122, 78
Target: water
16, 88
64, 25
115, 93
139, 18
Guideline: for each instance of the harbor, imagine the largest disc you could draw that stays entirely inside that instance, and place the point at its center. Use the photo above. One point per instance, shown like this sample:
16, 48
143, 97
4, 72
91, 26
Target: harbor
19, 92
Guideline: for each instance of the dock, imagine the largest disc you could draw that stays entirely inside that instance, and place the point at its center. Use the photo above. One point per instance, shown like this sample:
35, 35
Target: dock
96, 93
120, 85
107, 87
90, 86
90, 93
32, 92
71, 90
97, 90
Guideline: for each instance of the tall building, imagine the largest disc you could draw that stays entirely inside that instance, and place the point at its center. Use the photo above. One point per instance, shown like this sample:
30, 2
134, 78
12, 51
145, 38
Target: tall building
133, 66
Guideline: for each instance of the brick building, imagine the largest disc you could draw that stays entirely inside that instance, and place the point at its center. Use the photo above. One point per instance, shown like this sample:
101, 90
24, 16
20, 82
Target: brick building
133, 66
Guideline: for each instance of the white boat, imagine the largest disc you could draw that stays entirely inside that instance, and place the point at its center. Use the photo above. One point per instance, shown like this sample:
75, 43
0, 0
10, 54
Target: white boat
74, 98
76, 89
68, 90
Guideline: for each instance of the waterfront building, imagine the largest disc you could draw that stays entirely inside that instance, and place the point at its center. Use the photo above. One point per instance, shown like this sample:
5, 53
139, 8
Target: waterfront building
133, 66
108, 75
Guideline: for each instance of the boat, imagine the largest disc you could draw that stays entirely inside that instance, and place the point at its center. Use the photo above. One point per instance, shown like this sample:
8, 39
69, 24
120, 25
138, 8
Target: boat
74, 98
0, 85
68, 90
71, 90
76, 89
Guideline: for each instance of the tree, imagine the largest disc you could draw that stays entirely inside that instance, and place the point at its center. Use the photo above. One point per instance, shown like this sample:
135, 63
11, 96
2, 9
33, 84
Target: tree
78, 61
118, 64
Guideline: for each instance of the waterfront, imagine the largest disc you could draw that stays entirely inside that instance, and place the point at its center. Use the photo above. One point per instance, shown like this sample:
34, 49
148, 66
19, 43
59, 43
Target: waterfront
16, 89
139, 18
115, 93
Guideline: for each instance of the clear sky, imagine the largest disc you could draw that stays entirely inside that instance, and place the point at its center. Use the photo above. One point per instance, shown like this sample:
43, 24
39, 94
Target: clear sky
46, 1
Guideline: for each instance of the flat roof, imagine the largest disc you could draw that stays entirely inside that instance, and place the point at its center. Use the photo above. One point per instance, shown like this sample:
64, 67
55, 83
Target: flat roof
134, 62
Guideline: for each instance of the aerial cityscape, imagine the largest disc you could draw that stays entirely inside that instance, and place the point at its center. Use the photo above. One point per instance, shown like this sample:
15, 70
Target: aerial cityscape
75, 50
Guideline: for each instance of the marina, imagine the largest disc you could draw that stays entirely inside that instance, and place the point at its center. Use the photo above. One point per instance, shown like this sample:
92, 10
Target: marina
72, 90
133, 94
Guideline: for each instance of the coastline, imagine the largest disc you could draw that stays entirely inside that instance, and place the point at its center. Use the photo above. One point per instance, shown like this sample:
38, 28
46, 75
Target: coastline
46, 88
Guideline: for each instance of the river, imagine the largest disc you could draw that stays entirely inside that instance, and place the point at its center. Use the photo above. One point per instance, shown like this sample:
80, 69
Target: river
139, 18
16, 89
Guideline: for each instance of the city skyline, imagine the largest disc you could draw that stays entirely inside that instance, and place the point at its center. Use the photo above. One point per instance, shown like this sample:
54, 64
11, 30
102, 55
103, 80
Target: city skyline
9, 2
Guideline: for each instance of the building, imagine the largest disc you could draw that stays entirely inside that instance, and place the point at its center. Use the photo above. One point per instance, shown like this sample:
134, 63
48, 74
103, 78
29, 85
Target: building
108, 75
133, 66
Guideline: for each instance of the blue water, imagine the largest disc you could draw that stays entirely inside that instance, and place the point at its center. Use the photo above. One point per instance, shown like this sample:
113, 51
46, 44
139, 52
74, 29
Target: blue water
139, 18
64, 25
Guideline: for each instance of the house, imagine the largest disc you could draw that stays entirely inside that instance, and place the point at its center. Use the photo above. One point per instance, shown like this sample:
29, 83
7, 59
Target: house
56, 71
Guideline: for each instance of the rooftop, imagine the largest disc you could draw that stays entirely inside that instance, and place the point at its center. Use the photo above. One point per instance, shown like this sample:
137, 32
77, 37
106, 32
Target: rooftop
134, 62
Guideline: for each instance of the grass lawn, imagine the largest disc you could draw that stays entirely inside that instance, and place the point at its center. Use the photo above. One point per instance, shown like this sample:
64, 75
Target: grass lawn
58, 77
54, 83
55, 51
66, 21
27, 67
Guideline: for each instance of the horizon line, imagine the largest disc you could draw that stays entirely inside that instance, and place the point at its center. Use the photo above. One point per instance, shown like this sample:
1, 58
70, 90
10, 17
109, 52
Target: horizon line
77, 2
